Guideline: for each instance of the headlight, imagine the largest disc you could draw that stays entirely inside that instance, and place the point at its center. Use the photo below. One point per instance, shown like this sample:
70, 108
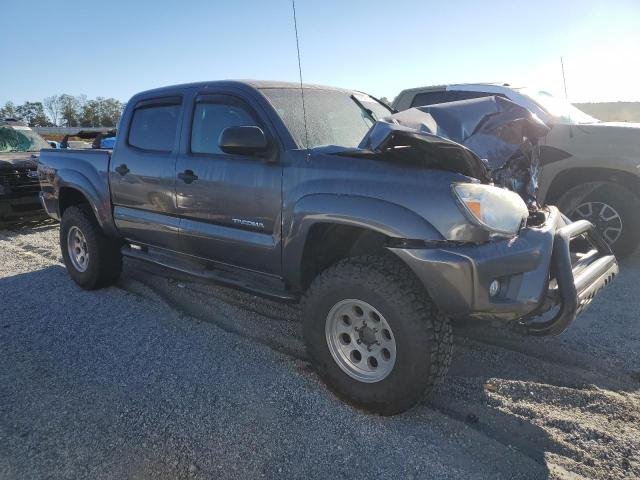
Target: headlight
498, 209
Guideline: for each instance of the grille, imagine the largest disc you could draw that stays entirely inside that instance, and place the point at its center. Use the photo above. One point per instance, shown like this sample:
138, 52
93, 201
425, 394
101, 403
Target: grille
19, 183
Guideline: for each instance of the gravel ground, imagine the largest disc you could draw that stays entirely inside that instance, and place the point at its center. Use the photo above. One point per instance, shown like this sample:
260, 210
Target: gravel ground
161, 377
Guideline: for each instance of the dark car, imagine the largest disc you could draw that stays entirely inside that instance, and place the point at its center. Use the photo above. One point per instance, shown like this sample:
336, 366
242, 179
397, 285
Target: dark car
383, 230
19, 185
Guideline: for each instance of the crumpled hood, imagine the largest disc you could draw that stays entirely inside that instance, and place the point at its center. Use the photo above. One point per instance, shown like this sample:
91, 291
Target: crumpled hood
415, 129
457, 135
18, 161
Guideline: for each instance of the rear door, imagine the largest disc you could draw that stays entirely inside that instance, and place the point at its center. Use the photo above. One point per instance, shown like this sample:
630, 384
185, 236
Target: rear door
142, 173
229, 204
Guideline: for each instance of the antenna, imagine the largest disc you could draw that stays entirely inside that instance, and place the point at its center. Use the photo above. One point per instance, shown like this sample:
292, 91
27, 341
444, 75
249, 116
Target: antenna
304, 110
564, 80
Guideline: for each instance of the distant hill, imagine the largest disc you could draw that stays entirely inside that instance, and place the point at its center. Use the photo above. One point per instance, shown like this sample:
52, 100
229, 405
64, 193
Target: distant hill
612, 111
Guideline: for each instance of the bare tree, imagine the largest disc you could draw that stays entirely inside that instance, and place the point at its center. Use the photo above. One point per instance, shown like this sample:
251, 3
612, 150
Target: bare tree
53, 108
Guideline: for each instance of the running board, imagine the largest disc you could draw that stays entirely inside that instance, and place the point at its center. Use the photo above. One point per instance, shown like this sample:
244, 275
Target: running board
241, 281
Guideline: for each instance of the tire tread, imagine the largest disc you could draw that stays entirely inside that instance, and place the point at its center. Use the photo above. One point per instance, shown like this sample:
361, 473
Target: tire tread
391, 279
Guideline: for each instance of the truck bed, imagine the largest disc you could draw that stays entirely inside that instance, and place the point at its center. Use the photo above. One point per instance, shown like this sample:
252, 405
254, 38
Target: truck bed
86, 171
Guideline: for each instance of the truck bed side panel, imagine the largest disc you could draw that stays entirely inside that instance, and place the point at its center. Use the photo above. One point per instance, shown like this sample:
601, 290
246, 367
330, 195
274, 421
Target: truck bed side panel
85, 171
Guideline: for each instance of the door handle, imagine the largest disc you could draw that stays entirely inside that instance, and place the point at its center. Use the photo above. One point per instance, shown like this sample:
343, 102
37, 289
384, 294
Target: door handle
122, 170
188, 176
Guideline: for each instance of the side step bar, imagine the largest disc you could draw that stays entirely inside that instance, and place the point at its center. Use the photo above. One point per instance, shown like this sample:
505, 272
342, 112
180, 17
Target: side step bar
220, 276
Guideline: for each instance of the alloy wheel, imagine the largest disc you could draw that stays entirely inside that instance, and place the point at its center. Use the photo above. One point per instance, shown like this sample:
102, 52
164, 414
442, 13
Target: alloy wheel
360, 340
604, 217
77, 249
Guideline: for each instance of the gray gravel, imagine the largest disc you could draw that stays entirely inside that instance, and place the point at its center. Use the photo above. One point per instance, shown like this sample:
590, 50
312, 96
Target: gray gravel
161, 377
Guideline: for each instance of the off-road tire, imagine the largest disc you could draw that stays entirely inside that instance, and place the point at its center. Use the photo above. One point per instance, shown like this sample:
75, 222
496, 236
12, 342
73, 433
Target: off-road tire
105, 260
625, 202
423, 336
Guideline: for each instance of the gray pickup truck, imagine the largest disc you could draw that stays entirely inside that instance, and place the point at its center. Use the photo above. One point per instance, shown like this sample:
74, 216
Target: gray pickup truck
385, 233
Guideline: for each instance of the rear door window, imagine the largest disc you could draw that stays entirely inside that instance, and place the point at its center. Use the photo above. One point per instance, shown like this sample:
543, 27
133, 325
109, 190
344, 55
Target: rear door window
153, 127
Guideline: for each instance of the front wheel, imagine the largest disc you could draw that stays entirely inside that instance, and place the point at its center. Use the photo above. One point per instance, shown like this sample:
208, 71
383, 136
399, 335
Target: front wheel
92, 259
374, 336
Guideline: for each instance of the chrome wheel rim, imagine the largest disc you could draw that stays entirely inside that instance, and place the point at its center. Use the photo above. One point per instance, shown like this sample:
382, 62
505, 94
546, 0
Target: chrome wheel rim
360, 340
77, 248
606, 219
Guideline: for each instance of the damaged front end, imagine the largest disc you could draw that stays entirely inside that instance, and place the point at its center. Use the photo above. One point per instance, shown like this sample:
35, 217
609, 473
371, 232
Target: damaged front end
539, 280
490, 138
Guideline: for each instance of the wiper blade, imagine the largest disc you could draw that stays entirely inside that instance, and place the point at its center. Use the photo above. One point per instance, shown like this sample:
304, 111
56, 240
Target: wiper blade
367, 110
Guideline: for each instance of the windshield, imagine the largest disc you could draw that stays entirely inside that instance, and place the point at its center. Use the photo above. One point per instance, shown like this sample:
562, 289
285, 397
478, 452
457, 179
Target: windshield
20, 139
560, 109
334, 117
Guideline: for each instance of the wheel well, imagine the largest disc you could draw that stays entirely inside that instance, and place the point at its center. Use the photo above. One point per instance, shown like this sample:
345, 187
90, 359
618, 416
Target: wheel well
327, 244
576, 176
69, 197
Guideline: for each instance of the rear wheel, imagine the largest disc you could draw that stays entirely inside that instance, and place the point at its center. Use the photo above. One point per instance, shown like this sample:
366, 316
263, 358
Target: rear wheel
373, 334
92, 259
613, 210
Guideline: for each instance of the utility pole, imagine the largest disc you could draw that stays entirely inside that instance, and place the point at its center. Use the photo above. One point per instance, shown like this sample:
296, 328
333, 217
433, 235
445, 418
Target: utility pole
564, 80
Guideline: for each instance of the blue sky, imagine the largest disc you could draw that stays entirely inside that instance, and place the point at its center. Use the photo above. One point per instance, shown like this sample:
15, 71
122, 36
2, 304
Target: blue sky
377, 46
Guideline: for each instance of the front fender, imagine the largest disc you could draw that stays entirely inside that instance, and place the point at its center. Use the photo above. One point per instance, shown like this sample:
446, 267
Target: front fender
379, 216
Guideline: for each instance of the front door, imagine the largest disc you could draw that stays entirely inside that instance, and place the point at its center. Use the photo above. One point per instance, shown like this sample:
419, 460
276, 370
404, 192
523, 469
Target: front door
229, 204
142, 173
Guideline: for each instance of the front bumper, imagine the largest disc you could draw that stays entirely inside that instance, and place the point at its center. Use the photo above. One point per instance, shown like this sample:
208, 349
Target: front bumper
13, 207
557, 265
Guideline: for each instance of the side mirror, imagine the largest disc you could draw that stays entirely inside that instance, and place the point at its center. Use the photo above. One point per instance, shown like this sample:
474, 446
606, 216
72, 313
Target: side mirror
243, 140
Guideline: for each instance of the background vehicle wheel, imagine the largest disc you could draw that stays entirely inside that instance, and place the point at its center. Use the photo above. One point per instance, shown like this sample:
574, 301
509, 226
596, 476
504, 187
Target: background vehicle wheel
92, 259
373, 334
612, 208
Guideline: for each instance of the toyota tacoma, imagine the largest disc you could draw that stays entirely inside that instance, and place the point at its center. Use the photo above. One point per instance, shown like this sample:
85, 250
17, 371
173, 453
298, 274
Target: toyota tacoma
384, 231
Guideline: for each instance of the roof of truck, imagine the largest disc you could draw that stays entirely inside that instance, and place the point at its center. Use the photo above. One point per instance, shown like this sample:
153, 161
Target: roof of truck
467, 84
404, 99
257, 84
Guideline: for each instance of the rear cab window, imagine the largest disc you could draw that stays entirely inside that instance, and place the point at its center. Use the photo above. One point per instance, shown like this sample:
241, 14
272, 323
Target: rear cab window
154, 124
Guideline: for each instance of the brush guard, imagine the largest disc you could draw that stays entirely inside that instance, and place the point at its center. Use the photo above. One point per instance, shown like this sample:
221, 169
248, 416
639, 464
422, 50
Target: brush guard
578, 277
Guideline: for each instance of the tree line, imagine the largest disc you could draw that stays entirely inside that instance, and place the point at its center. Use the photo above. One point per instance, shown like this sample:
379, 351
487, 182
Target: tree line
66, 111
